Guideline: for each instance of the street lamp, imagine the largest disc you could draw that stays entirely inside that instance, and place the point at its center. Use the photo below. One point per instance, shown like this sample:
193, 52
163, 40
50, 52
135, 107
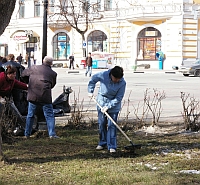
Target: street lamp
29, 34
44, 43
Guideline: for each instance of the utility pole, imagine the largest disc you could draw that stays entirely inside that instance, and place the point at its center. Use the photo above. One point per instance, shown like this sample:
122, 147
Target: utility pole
44, 43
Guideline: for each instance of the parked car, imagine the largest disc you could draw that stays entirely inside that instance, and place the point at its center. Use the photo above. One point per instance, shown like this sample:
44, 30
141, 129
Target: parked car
191, 69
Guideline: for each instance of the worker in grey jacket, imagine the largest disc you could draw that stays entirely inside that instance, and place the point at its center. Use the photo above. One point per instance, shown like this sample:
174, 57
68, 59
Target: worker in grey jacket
110, 94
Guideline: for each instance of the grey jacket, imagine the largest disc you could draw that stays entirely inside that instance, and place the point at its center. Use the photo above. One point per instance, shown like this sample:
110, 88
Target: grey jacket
41, 80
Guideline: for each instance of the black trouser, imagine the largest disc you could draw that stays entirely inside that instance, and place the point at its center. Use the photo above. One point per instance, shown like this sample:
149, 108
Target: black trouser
71, 64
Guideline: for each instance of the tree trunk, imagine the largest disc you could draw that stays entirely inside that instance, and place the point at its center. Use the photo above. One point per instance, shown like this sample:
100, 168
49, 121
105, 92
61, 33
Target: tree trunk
1, 121
6, 10
1, 151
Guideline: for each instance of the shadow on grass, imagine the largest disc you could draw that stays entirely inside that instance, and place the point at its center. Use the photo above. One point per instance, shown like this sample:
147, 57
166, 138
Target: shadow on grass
81, 144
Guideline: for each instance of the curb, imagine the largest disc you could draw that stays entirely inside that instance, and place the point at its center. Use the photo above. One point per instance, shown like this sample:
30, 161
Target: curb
166, 72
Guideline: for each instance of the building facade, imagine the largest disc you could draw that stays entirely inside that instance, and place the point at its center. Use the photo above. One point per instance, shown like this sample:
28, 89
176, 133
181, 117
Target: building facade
131, 30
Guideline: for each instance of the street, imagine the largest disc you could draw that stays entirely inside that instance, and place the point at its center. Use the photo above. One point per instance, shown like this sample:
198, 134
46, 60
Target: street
137, 83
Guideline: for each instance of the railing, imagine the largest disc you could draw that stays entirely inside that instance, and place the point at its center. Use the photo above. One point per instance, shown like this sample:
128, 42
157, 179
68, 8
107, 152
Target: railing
135, 10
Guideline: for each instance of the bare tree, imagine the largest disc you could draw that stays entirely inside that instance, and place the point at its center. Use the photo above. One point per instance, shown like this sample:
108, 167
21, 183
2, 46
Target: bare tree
6, 10
77, 14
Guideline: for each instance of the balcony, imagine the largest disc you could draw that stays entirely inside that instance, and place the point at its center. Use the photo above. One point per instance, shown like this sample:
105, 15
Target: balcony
146, 12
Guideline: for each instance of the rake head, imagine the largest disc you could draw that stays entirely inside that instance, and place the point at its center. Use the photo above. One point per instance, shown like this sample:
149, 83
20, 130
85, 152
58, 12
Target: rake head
133, 147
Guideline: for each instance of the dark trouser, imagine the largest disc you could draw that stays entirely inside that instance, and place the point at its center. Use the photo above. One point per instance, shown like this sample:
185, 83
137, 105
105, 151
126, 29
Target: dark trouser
71, 64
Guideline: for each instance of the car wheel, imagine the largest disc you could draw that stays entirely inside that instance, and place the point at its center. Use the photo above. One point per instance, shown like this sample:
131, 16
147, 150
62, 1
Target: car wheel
197, 73
185, 74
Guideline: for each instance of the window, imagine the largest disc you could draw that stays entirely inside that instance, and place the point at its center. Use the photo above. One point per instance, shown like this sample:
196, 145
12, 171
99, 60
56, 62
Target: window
61, 46
64, 5
95, 4
21, 9
97, 41
149, 42
51, 6
108, 5
36, 8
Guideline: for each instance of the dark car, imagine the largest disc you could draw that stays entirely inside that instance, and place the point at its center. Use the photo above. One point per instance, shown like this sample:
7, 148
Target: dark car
191, 69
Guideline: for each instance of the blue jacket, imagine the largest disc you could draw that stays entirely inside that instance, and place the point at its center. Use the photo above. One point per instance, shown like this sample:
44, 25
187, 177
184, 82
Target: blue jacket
110, 94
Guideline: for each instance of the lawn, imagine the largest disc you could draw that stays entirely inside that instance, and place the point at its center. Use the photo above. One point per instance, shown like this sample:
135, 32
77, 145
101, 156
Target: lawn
165, 158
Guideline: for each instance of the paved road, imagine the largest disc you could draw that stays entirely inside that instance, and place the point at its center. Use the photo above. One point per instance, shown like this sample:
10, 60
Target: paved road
170, 82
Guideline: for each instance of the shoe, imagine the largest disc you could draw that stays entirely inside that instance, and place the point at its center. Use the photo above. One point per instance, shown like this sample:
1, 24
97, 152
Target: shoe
54, 137
112, 150
85, 74
26, 137
99, 147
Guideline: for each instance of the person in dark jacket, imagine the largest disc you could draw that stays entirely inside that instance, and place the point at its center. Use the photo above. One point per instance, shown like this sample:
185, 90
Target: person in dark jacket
19, 58
41, 80
3, 60
88, 65
11, 62
71, 61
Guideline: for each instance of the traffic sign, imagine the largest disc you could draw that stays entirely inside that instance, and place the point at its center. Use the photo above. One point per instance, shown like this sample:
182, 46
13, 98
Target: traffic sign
84, 44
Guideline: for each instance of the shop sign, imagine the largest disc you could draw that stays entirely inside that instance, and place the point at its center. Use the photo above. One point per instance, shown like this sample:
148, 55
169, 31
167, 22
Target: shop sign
151, 33
62, 38
20, 37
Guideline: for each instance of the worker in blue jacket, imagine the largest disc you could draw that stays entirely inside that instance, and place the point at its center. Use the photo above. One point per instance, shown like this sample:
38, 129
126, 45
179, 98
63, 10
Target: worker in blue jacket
110, 94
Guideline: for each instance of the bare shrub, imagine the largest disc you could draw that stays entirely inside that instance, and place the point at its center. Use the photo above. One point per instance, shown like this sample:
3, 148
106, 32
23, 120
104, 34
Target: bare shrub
150, 104
191, 112
8, 121
125, 120
155, 104
140, 120
76, 111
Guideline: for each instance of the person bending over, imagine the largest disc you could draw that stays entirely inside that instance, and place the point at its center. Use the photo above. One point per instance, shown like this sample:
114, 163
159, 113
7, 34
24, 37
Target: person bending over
110, 94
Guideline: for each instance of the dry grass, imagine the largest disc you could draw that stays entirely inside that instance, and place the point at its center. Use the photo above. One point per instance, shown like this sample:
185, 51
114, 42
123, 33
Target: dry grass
74, 160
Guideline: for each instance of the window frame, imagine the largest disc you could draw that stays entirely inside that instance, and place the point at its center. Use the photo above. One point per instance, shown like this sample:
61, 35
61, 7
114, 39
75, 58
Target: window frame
148, 44
37, 9
57, 48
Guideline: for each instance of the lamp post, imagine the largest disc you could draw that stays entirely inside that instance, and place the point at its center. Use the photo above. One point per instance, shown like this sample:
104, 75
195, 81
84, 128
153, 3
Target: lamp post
44, 43
29, 34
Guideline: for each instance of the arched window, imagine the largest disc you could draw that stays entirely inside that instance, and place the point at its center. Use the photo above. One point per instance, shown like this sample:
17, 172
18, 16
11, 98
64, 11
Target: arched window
97, 41
61, 46
149, 42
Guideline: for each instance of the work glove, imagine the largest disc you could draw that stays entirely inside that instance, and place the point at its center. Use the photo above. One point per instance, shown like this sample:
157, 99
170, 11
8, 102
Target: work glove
104, 109
90, 95
2, 101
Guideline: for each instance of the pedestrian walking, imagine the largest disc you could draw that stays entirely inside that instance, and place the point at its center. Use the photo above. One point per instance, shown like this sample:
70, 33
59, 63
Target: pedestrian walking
110, 94
71, 61
27, 58
41, 80
88, 65
19, 58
